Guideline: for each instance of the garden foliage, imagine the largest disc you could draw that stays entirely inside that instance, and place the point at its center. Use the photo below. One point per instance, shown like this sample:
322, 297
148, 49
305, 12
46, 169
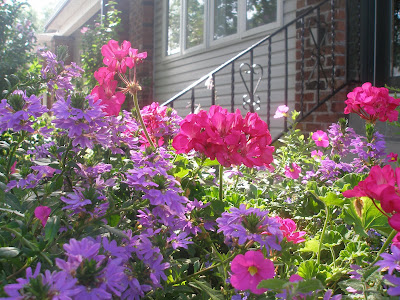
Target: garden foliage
99, 203
17, 40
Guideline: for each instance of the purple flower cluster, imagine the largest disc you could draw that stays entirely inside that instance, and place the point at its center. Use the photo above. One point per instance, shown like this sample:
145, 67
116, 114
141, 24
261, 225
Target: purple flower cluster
32, 180
391, 262
85, 127
16, 112
161, 189
250, 224
59, 76
98, 269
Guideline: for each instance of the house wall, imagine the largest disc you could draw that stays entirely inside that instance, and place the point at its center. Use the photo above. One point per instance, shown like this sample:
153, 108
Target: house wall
173, 73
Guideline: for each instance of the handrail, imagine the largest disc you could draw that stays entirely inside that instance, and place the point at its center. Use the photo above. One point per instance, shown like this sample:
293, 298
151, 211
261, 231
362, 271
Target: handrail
236, 57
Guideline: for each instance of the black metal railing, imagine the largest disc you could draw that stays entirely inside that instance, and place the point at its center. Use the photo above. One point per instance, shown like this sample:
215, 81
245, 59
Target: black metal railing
316, 25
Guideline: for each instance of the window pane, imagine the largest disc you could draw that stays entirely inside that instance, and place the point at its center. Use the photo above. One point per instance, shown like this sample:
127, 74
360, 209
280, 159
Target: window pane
260, 12
225, 18
395, 67
174, 26
195, 23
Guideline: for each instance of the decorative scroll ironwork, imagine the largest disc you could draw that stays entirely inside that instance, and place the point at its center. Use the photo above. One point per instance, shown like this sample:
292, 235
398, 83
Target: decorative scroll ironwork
318, 56
251, 101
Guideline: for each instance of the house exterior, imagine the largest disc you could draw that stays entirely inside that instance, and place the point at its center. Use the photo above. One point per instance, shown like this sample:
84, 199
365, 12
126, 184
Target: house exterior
304, 62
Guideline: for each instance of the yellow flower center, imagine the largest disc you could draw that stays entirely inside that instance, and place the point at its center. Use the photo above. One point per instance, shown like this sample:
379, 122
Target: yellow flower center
252, 270
291, 170
319, 139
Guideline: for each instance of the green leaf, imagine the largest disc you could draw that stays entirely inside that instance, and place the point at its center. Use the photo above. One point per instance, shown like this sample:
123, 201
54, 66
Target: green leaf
275, 284
9, 252
308, 269
332, 238
310, 246
13, 201
113, 220
309, 285
57, 183
331, 199
205, 287
51, 228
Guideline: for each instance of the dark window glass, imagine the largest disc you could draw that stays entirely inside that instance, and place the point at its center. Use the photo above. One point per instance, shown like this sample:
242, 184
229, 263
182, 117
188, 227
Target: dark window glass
195, 23
225, 18
260, 12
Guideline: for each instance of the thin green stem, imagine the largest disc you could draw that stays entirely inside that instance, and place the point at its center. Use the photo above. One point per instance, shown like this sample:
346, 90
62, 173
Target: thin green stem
136, 103
12, 153
221, 181
322, 234
384, 246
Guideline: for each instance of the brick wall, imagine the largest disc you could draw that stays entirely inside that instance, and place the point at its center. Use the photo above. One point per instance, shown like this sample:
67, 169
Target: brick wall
141, 20
332, 110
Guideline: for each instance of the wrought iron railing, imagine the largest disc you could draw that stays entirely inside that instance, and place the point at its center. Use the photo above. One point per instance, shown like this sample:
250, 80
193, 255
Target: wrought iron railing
321, 79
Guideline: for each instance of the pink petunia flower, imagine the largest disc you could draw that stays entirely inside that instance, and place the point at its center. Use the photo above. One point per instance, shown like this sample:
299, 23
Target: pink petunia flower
392, 157
293, 171
320, 138
42, 213
249, 270
281, 111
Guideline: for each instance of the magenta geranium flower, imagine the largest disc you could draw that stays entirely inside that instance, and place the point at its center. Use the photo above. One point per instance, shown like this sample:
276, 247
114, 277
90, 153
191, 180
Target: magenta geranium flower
281, 111
288, 228
320, 138
292, 171
249, 270
115, 55
42, 213
392, 157
372, 103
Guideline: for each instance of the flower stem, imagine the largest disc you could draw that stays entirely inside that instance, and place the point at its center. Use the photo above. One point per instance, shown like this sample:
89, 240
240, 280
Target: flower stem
136, 103
221, 179
12, 152
384, 246
322, 234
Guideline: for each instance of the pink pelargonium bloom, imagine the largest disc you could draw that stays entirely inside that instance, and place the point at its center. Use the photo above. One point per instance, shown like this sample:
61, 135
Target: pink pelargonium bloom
84, 30
226, 137
249, 270
372, 103
295, 278
392, 157
115, 55
316, 154
396, 240
320, 138
13, 168
109, 99
288, 228
293, 171
104, 75
281, 111
135, 57
42, 213
383, 185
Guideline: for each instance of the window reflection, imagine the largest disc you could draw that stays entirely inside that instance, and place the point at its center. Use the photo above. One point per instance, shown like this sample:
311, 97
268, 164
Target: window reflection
195, 23
260, 12
174, 24
225, 18
395, 67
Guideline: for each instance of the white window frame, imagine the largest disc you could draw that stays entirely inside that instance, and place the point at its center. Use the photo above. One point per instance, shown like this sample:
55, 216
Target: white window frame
208, 40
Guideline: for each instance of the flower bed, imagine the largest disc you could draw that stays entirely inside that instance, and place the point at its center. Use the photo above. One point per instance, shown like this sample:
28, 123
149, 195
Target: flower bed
99, 203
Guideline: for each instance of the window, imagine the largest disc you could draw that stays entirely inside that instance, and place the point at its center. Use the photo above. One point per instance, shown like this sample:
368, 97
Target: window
194, 24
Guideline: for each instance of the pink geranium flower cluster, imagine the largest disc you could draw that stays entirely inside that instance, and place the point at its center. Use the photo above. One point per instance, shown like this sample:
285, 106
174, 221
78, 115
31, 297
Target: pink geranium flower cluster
162, 123
117, 58
288, 228
227, 137
372, 103
383, 185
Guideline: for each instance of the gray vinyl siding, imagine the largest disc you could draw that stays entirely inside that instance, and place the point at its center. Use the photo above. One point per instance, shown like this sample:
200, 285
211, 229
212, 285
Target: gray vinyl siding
173, 74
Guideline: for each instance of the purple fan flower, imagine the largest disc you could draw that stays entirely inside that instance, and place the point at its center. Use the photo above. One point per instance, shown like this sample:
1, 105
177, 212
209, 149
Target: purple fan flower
393, 291
390, 261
